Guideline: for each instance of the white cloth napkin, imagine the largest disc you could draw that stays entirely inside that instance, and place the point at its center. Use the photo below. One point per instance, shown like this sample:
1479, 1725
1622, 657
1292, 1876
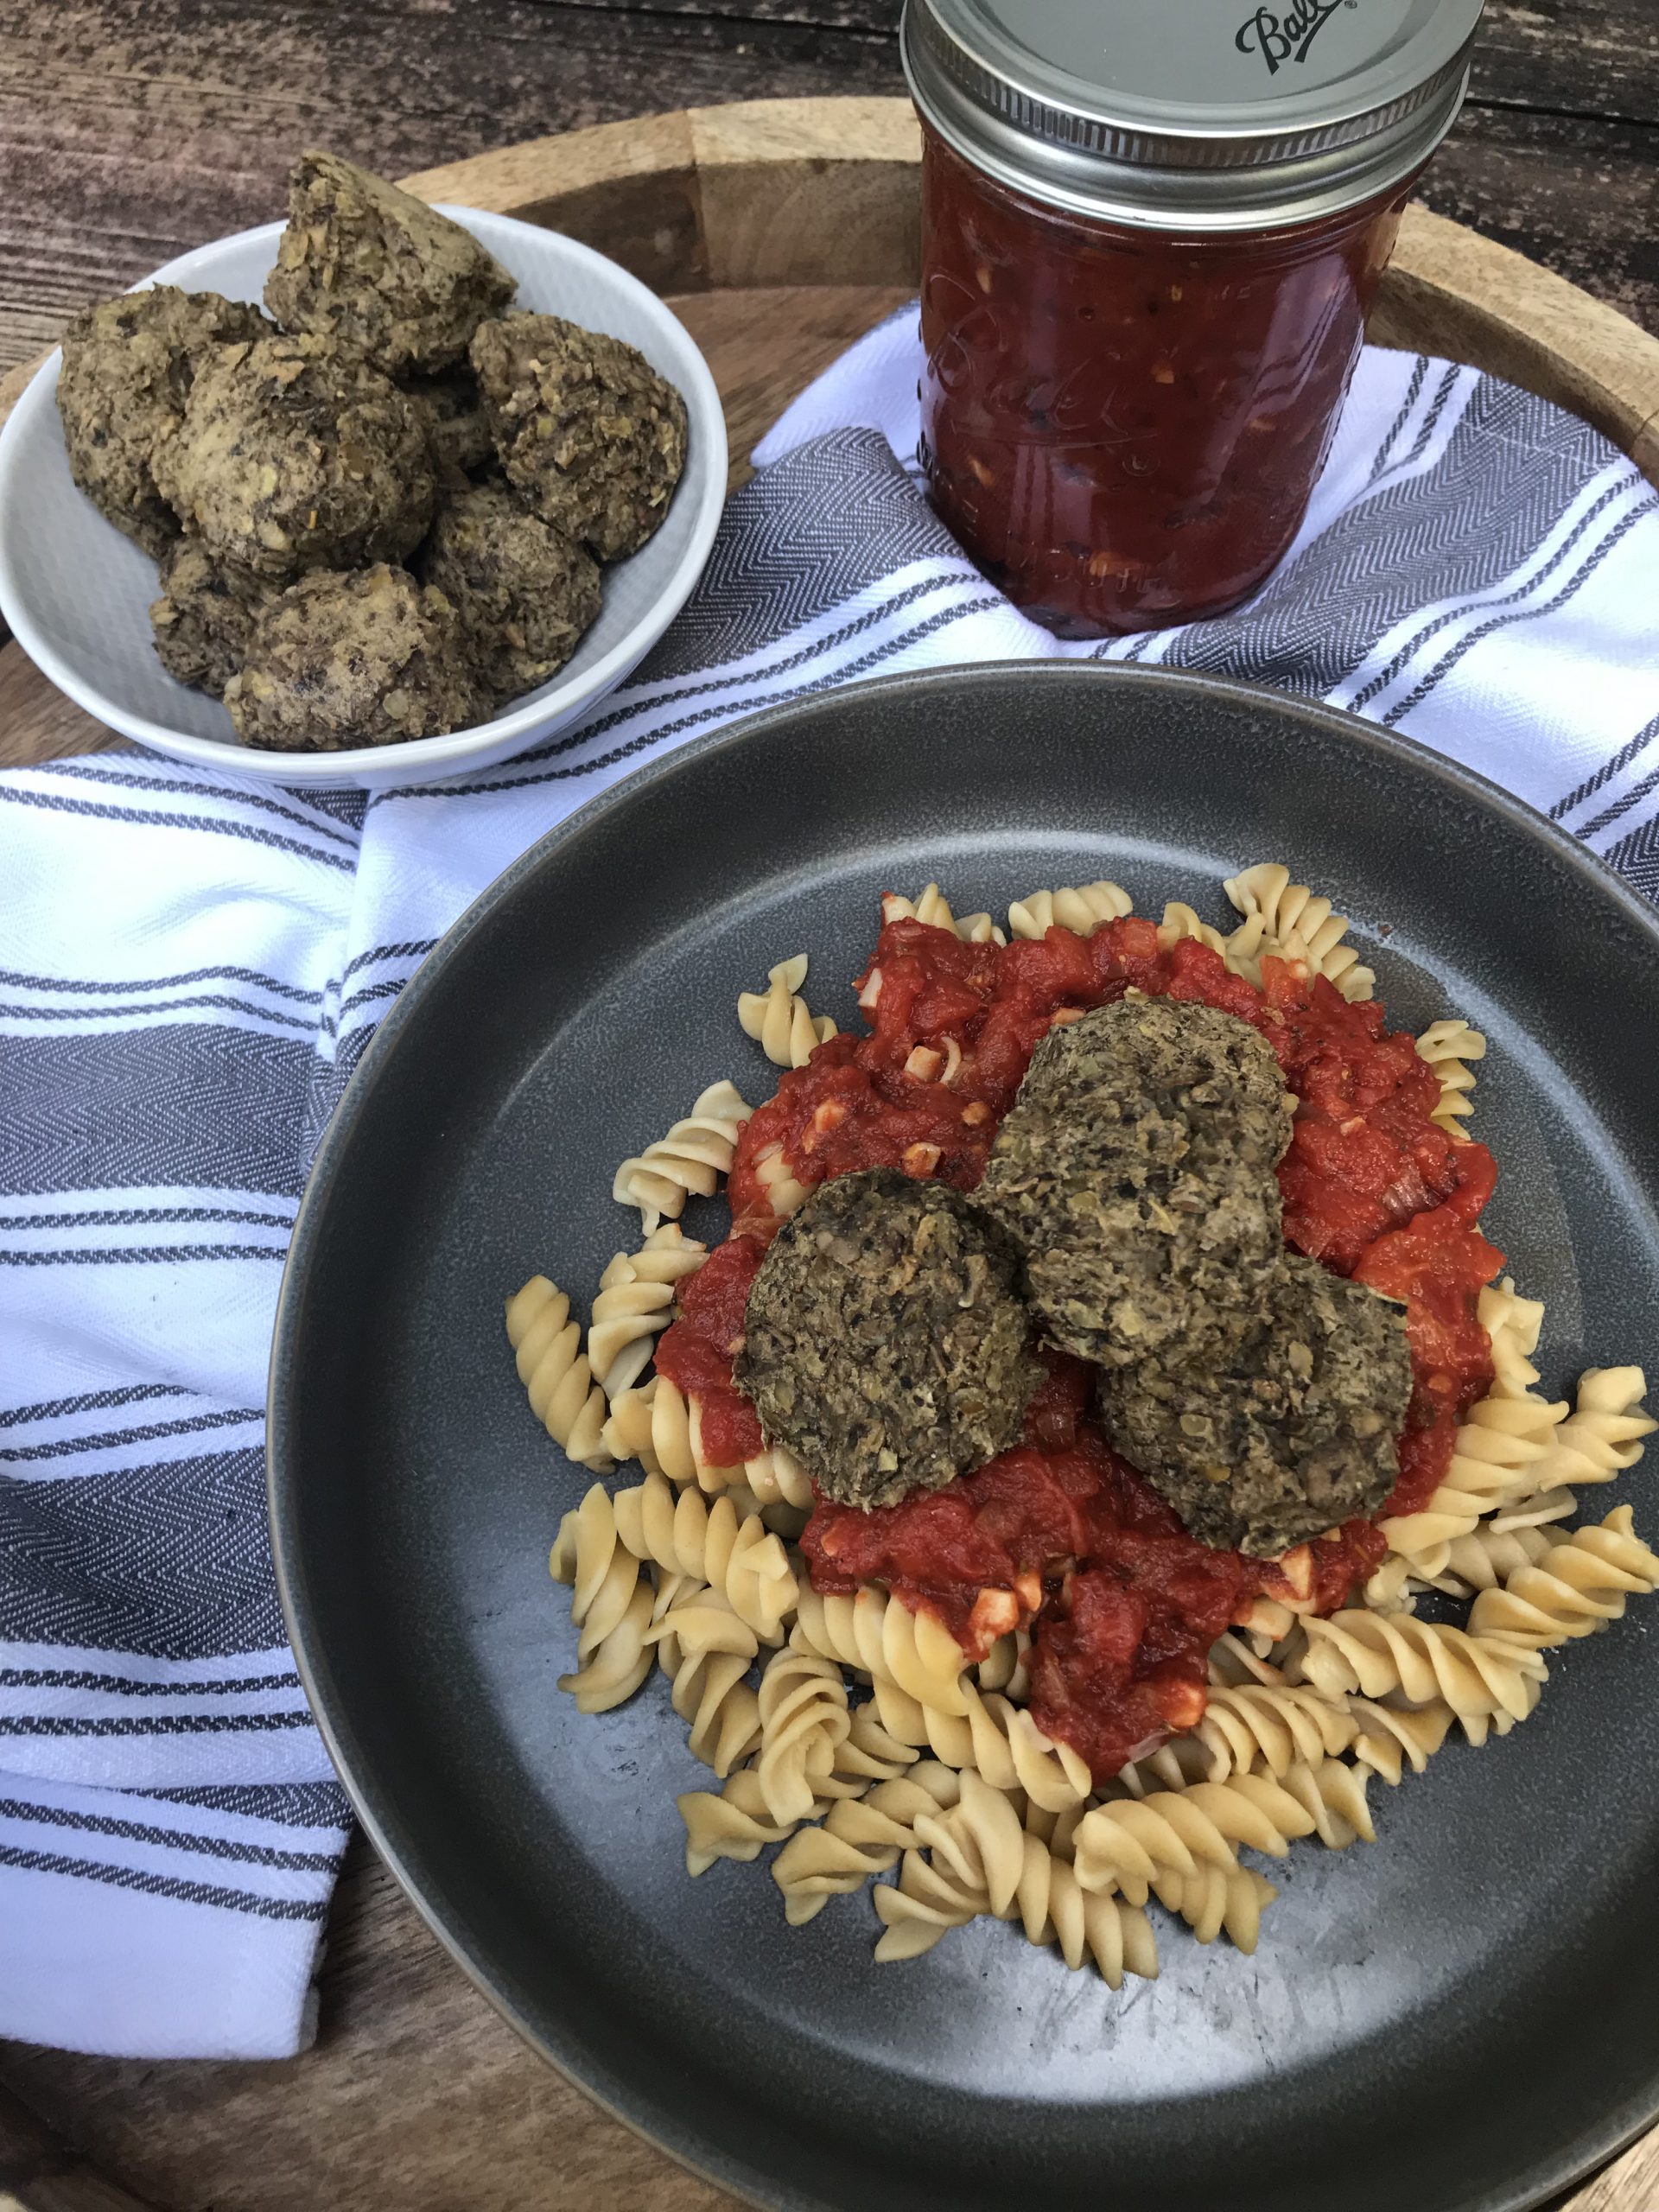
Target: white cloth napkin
192, 964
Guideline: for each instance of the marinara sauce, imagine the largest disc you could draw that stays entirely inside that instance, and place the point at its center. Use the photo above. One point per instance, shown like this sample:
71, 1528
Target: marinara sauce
1150, 237
1123, 427
1124, 1604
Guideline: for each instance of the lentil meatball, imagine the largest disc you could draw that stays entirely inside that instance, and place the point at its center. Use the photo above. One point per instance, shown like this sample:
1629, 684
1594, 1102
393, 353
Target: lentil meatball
368, 659
885, 1343
1297, 1433
204, 619
523, 592
591, 437
127, 366
370, 265
1135, 1172
294, 454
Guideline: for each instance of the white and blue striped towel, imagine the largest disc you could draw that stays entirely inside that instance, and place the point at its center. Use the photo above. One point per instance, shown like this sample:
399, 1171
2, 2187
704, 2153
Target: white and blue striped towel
192, 964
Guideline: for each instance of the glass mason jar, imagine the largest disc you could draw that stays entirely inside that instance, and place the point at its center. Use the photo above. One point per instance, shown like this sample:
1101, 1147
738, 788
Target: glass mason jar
1146, 262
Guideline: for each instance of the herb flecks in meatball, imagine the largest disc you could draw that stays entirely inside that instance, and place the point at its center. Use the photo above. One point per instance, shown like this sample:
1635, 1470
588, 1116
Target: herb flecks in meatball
381, 271
458, 428
885, 1343
368, 659
128, 367
1135, 1172
1295, 1436
591, 437
204, 619
523, 592
294, 454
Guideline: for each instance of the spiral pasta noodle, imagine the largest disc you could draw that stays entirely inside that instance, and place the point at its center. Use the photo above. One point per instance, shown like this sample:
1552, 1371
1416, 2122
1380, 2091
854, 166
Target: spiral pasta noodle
1506, 1450
1578, 1587
658, 1425
1081, 909
709, 1691
884, 1639
1425, 1661
934, 908
563, 1395
1180, 922
1602, 1436
730, 1823
997, 1739
1290, 922
611, 1604
732, 1551
1122, 1844
1214, 1903
1269, 1729
688, 1161
777, 1018
862, 1837
1449, 1046
803, 1721
636, 1303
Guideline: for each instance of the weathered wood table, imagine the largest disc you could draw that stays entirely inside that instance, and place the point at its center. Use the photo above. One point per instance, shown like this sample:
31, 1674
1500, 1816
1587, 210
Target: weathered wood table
417, 2098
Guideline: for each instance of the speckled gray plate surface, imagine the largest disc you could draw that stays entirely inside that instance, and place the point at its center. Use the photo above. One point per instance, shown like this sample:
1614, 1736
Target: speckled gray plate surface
1461, 2016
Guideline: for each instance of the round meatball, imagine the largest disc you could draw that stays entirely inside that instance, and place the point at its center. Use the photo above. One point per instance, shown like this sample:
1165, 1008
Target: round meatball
1135, 1172
591, 437
525, 593
885, 1343
204, 619
364, 263
127, 366
1297, 1434
369, 658
294, 454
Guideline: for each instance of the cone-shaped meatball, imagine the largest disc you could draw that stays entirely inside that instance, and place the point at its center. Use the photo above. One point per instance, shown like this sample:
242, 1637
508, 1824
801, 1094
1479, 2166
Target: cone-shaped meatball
204, 619
364, 263
525, 593
127, 366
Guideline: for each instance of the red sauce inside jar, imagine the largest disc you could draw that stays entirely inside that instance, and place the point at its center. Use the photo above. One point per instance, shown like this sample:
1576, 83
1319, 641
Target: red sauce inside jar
1121, 426
1124, 1603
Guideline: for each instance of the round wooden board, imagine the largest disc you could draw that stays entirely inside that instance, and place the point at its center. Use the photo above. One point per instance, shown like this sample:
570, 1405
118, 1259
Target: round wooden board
781, 231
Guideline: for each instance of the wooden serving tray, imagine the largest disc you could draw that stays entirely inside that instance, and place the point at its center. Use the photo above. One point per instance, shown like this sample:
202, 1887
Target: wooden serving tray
781, 230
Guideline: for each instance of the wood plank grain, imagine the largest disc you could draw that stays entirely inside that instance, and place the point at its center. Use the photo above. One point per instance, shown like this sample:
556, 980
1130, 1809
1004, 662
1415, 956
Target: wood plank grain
38, 723
130, 129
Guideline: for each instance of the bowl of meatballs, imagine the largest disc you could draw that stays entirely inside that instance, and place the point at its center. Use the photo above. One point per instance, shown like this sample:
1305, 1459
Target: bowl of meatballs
379, 495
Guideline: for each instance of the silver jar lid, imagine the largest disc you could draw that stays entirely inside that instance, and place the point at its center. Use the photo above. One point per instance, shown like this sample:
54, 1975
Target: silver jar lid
1191, 115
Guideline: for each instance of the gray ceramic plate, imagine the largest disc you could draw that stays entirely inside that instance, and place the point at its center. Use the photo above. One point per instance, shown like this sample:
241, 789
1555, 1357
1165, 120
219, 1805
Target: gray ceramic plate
1461, 2016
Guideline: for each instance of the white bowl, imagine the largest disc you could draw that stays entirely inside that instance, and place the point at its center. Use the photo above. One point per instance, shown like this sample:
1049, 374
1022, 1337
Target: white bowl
76, 593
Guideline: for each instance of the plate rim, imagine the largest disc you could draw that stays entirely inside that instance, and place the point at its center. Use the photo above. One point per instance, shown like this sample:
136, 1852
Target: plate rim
1594, 2147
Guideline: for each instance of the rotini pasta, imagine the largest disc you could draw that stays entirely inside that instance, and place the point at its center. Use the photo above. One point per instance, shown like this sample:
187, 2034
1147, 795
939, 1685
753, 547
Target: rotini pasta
1287, 920
853, 1731
1124, 1844
1575, 1588
777, 1018
1506, 1448
1381, 1655
1083, 909
1213, 1904
1449, 1046
688, 1161
862, 1837
877, 1635
563, 1395
934, 908
732, 1551
804, 1720
658, 1425
635, 1303
1261, 1729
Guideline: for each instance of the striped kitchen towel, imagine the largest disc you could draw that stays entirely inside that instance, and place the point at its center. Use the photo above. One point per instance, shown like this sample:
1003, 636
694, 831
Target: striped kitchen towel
192, 965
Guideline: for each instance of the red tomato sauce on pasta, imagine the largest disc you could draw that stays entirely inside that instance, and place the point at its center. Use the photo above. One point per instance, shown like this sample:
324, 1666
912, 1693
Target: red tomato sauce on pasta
1124, 1603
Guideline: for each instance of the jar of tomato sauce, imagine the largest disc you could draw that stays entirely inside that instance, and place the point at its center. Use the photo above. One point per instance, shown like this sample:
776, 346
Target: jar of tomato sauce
1151, 231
